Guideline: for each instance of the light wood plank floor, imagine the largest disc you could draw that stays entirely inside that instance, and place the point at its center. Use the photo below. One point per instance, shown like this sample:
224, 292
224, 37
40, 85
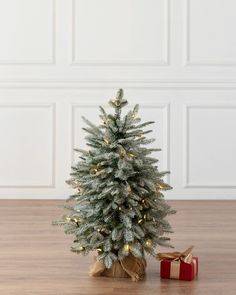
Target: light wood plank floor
35, 257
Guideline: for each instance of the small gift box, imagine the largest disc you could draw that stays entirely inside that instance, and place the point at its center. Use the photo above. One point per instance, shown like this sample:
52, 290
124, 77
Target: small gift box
178, 265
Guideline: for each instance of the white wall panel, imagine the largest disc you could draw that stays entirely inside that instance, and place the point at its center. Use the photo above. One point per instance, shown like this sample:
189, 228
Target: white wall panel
26, 31
209, 32
117, 30
27, 145
210, 146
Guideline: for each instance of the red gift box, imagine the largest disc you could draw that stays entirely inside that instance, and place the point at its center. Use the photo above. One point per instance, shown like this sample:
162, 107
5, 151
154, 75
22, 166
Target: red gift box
177, 265
179, 270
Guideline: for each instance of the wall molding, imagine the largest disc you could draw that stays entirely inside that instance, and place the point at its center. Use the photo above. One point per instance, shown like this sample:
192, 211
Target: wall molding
48, 62
52, 107
186, 159
163, 62
110, 84
187, 54
166, 128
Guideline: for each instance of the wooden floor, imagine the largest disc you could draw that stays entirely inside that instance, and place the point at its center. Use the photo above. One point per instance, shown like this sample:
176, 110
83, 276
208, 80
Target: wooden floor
35, 257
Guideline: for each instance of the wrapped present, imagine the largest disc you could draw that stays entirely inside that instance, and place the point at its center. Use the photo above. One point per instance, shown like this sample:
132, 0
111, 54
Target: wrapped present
178, 265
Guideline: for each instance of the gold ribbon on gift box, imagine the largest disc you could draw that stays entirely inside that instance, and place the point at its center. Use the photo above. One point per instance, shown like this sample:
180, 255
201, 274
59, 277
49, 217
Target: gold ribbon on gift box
185, 256
176, 257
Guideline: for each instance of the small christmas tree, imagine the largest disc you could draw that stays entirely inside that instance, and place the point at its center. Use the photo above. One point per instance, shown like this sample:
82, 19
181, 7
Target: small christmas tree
118, 209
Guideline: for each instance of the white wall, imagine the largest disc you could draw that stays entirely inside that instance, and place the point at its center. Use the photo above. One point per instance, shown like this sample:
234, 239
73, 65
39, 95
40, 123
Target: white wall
60, 59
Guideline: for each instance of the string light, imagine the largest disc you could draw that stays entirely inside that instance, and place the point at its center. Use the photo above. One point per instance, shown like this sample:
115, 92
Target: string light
126, 247
68, 219
98, 230
106, 141
131, 155
143, 201
120, 208
162, 187
81, 248
74, 183
140, 221
99, 249
116, 102
144, 216
123, 153
148, 243
140, 136
96, 171
104, 120
93, 171
101, 172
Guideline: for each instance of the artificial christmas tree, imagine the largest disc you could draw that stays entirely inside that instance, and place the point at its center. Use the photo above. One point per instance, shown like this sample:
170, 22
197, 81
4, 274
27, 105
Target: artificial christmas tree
118, 209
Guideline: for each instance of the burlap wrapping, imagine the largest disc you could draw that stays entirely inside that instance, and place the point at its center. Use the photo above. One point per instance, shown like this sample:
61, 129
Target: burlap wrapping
130, 266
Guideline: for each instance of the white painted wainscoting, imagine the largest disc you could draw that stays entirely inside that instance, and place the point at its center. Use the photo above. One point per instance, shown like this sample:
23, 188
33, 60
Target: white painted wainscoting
60, 59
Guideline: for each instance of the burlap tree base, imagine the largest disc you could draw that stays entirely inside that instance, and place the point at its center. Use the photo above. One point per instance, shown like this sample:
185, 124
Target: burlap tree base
129, 267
